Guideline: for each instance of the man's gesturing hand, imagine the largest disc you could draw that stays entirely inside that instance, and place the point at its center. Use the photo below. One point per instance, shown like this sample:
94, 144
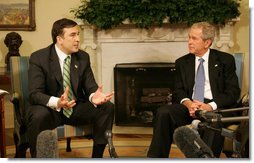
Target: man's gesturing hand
63, 100
100, 98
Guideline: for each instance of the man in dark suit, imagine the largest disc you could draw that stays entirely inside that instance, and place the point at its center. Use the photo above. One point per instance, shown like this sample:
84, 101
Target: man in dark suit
221, 90
49, 96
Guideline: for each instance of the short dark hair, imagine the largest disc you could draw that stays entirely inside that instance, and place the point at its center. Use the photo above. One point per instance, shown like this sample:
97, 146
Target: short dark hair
59, 25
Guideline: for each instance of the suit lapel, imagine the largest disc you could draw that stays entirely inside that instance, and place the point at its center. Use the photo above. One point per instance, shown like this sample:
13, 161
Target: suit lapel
55, 66
214, 69
190, 72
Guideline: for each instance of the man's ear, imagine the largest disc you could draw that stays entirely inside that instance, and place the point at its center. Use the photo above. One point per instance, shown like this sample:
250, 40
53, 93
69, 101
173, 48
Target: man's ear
59, 39
208, 43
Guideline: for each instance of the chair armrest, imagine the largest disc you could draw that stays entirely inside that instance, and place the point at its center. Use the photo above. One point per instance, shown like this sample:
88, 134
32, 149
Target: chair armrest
3, 93
15, 98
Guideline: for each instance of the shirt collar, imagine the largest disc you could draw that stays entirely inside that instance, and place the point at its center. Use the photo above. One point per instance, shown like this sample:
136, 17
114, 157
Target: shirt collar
205, 56
61, 55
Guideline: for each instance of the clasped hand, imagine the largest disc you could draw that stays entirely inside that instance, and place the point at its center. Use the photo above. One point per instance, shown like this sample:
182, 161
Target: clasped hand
194, 105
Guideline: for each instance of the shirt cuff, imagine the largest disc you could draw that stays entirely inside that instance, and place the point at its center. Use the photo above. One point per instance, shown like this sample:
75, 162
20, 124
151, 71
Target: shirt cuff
90, 99
184, 99
52, 103
213, 104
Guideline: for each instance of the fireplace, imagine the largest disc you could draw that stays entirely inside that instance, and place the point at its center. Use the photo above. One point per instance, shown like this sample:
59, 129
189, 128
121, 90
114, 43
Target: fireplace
128, 44
140, 88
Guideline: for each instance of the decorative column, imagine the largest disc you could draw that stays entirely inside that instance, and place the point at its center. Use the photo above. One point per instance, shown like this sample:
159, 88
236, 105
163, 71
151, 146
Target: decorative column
89, 44
225, 37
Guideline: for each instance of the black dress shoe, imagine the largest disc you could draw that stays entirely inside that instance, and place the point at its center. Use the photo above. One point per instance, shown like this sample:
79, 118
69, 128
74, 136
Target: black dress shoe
98, 150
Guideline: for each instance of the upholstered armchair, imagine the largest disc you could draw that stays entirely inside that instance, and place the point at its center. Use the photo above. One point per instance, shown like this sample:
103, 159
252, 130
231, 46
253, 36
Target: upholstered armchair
19, 81
241, 143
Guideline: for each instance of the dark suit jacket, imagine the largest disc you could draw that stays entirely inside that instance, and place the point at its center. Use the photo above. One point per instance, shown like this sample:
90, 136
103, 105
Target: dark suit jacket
45, 76
222, 75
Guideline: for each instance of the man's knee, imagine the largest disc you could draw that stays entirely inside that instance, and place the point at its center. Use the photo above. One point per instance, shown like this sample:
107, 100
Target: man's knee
163, 110
109, 107
38, 115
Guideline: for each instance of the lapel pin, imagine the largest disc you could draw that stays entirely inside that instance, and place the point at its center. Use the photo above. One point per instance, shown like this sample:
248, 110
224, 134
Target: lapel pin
215, 65
76, 66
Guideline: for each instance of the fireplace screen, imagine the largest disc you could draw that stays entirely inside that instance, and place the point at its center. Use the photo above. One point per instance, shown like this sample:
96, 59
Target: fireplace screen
140, 88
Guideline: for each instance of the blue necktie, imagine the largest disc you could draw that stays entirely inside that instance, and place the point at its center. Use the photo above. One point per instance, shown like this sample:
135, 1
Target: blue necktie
200, 82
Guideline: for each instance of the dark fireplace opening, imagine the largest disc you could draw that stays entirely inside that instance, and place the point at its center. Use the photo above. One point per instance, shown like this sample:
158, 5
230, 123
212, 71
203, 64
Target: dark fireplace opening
140, 89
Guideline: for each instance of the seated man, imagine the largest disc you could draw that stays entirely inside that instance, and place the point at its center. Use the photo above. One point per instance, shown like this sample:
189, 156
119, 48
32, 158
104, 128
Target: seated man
206, 80
62, 89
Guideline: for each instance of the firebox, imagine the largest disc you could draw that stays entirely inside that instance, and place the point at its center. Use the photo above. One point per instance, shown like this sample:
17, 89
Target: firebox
140, 89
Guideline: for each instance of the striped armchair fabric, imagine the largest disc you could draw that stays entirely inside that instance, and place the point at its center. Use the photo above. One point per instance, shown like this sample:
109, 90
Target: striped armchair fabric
19, 81
230, 144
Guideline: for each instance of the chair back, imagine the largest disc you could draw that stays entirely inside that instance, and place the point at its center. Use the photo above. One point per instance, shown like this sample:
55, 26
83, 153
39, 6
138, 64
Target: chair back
19, 84
242, 129
239, 67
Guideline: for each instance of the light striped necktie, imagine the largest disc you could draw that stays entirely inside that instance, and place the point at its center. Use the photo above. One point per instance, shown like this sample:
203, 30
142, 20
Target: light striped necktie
200, 82
67, 82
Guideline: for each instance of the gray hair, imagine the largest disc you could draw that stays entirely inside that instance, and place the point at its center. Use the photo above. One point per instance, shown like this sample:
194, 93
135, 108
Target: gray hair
208, 30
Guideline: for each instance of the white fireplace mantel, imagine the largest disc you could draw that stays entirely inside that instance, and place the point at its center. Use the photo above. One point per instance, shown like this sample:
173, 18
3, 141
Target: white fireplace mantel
126, 44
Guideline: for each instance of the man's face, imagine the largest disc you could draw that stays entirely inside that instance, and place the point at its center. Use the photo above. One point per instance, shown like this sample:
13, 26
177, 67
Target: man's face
69, 41
196, 44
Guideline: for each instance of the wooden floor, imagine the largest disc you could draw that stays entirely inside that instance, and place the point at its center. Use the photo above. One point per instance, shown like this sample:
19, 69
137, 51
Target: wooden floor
127, 146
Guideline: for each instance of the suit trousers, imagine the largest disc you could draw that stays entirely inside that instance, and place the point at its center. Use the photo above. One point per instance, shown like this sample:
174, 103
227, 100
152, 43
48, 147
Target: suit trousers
40, 118
166, 120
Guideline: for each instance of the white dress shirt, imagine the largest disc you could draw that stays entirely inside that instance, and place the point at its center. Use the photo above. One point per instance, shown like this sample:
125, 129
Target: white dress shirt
208, 92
